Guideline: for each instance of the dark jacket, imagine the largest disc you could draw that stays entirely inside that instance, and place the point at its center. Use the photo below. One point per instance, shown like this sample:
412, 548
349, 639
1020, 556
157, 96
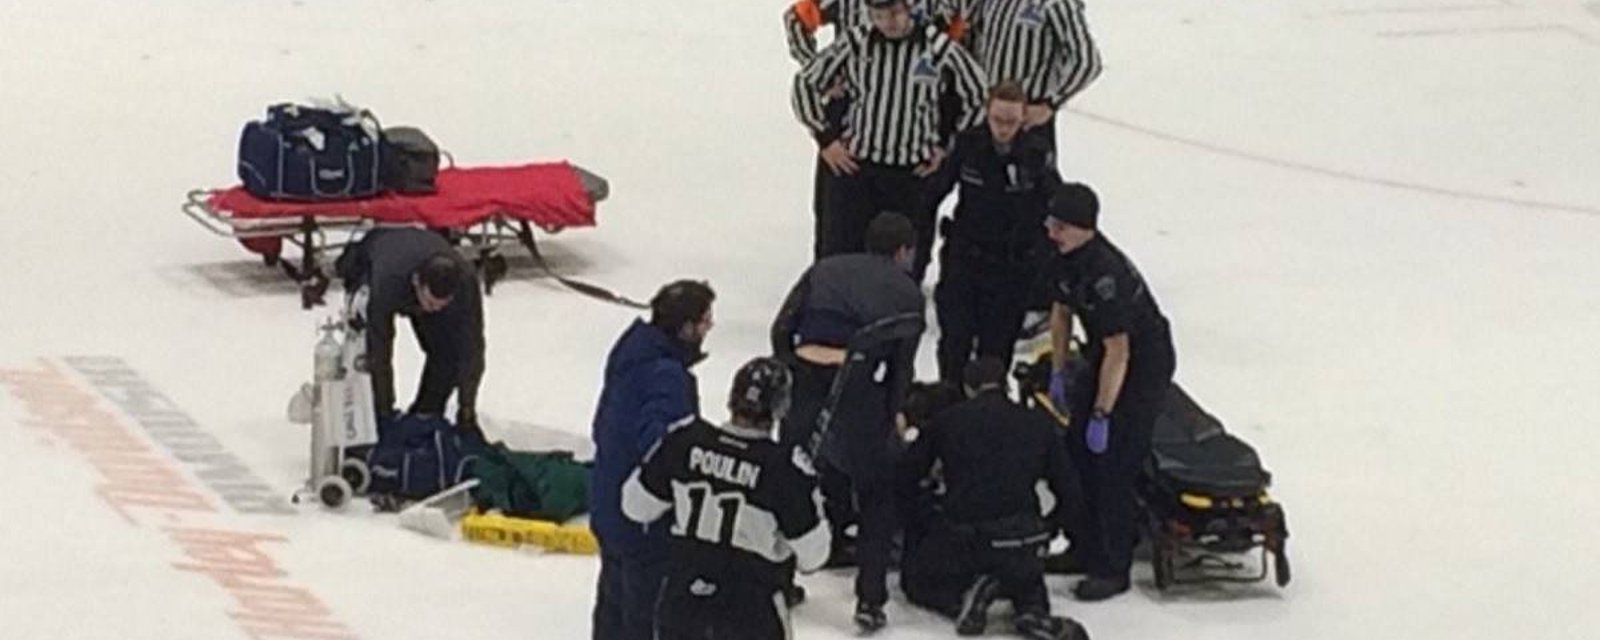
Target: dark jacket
1106, 292
384, 261
840, 295
999, 215
992, 454
648, 388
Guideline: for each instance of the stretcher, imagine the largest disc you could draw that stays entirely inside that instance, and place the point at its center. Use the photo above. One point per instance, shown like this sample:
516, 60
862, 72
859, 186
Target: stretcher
481, 209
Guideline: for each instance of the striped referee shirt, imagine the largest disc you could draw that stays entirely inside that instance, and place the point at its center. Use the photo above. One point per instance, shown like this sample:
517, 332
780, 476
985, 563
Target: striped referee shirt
1042, 44
894, 88
803, 18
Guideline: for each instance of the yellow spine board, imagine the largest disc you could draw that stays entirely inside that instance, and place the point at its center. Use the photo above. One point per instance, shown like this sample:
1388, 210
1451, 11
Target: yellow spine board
502, 531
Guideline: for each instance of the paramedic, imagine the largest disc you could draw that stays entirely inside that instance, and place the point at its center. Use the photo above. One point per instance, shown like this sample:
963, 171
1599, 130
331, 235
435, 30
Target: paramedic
1130, 359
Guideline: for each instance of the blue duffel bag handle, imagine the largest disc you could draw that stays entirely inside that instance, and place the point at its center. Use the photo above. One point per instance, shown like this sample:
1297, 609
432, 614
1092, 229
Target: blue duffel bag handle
334, 146
334, 125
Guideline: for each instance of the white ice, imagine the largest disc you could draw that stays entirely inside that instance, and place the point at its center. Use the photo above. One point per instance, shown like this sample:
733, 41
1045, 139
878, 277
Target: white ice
1373, 224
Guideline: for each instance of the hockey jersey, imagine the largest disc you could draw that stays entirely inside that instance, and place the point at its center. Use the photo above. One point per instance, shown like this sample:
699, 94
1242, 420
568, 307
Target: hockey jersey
741, 505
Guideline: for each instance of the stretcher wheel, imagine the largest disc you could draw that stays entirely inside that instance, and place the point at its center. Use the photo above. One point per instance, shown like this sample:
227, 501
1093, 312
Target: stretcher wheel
313, 289
493, 267
1280, 565
356, 474
333, 491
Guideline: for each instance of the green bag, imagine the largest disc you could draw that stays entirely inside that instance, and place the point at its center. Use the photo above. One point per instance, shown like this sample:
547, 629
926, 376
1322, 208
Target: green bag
547, 485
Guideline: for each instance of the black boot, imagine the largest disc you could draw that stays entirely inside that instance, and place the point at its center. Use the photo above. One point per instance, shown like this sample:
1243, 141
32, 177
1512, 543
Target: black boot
1094, 589
973, 617
1037, 626
870, 617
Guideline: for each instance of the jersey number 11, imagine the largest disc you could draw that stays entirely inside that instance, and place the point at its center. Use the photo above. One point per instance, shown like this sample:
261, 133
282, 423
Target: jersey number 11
711, 516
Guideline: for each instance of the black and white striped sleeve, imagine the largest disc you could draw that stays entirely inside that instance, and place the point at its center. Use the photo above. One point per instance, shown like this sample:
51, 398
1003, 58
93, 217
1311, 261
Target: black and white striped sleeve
1076, 57
970, 83
800, 23
809, 93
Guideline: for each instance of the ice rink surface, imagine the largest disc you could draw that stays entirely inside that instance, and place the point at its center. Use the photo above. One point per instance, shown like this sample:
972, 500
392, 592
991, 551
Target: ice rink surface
1373, 224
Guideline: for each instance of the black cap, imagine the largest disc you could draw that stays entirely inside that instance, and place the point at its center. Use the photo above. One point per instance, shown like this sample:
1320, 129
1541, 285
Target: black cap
884, 4
1075, 204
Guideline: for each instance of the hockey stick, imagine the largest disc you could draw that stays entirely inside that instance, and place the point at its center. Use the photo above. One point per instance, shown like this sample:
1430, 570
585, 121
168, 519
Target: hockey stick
895, 328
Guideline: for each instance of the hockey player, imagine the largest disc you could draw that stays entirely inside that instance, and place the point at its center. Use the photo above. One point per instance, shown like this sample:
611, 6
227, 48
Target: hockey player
831, 304
988, 265
648, 386
894, 73
416, 273
1130, 355
987, 541
741, 505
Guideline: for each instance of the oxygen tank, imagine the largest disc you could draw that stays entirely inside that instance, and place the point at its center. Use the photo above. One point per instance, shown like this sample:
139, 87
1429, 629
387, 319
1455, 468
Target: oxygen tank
326, 356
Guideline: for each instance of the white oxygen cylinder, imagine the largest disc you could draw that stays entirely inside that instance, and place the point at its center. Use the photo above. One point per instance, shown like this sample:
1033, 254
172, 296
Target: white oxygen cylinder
325, 419
326, 356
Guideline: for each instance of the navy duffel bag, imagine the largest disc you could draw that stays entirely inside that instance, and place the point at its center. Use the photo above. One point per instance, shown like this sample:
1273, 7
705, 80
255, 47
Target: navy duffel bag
308, 154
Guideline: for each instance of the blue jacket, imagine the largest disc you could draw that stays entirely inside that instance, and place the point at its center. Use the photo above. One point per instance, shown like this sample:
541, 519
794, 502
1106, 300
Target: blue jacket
648, 388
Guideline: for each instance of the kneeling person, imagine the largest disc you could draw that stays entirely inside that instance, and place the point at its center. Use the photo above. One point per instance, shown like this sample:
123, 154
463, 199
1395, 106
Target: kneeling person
742, 506
992, 452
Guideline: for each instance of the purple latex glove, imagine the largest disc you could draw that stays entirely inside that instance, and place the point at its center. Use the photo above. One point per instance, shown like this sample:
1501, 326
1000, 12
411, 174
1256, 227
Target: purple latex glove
1098, 433
1058, 389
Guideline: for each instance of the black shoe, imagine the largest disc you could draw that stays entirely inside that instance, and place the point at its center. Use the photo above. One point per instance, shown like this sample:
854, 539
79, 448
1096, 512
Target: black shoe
794, 595
1097, 589
973, 617
870, 618
1042, 627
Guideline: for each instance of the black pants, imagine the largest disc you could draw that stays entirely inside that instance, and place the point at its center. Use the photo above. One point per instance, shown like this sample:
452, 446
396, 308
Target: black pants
810, 391
980, 307
625, 599
854, 200
446, 359
1110, 527
856, 462
730, 612
819, 210
936, 573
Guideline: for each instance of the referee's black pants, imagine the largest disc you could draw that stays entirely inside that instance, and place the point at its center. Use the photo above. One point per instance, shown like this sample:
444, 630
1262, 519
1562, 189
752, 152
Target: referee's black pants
853, 200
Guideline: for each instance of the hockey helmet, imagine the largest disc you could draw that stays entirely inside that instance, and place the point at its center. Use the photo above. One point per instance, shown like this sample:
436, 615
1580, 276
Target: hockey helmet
761, 390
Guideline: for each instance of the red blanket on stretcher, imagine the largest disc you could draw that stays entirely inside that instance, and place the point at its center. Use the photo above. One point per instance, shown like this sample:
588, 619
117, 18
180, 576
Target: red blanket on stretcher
546, 194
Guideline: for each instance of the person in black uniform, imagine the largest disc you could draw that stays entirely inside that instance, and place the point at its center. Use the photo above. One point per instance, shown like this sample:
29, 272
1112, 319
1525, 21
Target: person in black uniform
742, 505
416, 273
1130, 359
991, 533
989, 261
816, 330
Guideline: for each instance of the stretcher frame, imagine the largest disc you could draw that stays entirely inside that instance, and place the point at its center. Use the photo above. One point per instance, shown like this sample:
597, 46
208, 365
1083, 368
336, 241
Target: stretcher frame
482, 241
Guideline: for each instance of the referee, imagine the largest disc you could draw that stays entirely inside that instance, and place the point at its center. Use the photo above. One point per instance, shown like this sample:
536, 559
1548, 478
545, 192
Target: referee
1044, 45
893, 73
